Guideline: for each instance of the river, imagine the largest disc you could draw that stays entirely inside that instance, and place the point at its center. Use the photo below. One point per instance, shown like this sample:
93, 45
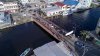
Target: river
13, 41
86, 20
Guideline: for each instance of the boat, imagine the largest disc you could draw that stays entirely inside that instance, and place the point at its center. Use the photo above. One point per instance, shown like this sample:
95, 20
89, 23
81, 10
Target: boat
26, 52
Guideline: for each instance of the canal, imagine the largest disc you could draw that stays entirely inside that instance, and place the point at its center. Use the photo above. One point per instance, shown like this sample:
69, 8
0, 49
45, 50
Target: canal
13, 41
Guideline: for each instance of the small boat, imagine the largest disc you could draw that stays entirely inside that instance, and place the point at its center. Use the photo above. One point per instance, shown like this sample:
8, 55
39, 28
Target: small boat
26, 52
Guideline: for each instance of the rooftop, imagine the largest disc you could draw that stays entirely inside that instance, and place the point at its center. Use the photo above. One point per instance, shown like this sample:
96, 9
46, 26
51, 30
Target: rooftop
70, 2
51, 9
52, 49
59, 4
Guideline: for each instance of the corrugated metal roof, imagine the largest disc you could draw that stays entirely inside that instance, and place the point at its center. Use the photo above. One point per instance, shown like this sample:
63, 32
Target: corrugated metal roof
70, 2
49, 50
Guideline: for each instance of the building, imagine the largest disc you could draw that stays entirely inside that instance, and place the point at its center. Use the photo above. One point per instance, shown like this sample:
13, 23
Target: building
52, 11
66, 8
59, 8
1, 6
9, 6
53, 1
24, 2
75, 5
84, 4
72, 4
5, 19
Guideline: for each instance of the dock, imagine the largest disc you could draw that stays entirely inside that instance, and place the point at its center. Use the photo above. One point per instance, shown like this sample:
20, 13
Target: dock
55, 30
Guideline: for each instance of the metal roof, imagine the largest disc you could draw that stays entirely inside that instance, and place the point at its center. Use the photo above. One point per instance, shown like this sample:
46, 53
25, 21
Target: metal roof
70, 2
50, 49
59, 4
51, 9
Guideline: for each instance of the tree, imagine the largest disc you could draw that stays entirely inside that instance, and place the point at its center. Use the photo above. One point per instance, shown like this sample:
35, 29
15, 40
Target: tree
84, 34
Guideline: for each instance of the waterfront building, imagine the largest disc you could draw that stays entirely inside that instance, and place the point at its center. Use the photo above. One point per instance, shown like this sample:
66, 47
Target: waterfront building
66, 8
29, 1
52, 11
72, 4
34, 4
24, 1
53, 1
5, 19
1, 6
9, 6
84, 4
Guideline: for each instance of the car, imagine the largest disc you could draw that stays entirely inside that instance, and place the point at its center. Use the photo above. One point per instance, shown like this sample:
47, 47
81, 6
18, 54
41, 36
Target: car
79, 44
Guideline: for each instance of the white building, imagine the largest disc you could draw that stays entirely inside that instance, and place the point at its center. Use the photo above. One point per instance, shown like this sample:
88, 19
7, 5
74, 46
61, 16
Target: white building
1, 6
24, 1
66, 8
52, 11
59, 8
29, 1
84, 4
9, 6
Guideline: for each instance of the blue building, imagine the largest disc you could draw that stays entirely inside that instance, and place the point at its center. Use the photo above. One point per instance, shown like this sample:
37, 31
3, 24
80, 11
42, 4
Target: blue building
78, 4
5, 19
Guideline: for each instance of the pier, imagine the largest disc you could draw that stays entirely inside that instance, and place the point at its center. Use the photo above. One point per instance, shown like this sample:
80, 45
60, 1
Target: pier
56, 32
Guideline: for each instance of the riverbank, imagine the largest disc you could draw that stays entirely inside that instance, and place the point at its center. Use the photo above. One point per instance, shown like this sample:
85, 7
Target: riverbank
17, 20
13, 25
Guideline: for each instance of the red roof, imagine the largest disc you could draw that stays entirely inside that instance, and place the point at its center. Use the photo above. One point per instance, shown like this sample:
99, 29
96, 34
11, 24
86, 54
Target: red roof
59, 4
